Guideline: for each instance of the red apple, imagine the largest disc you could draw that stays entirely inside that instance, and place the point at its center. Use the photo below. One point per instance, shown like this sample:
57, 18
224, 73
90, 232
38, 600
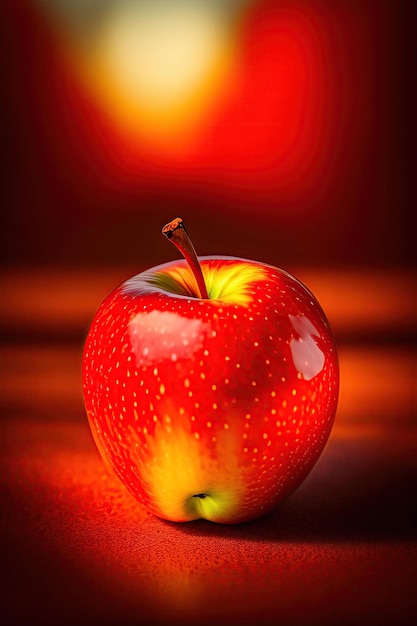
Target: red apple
210, 388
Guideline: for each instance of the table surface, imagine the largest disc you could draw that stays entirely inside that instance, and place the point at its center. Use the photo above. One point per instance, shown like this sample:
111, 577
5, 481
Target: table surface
77, 547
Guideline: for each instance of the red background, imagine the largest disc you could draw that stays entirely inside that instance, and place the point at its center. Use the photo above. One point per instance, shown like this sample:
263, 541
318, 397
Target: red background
314, 140
306, 163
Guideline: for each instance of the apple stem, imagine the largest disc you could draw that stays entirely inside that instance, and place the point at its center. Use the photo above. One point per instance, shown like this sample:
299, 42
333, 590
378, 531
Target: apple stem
176, 232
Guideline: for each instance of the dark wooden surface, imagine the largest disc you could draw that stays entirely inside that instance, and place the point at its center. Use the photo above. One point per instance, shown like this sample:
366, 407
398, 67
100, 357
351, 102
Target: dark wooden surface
78, 549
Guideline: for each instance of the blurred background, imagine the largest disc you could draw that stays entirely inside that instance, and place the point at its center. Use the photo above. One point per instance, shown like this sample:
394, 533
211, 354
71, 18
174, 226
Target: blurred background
280, 131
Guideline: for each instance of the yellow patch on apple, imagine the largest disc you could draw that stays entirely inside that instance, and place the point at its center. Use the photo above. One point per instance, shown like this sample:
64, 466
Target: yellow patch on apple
186, 483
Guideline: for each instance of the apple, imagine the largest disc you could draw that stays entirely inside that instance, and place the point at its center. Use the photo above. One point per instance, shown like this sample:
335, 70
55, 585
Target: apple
210, 385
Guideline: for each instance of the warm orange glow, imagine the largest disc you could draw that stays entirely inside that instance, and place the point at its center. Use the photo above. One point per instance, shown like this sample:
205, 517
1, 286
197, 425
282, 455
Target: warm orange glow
368, 302
257, 102
375, 384
157, 69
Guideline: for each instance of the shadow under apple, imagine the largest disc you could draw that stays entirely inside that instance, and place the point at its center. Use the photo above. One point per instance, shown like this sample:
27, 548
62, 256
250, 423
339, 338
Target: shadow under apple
358, 491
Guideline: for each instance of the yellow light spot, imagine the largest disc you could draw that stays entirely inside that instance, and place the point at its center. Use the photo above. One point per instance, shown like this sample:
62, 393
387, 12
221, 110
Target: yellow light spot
273, 394
162, 389
226, 426
186, 382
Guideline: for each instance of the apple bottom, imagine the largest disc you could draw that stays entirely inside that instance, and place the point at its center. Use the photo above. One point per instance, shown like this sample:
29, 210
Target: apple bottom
180, 477
186, 481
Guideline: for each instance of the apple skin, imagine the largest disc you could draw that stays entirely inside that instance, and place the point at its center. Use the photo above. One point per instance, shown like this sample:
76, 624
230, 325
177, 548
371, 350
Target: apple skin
211, 408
